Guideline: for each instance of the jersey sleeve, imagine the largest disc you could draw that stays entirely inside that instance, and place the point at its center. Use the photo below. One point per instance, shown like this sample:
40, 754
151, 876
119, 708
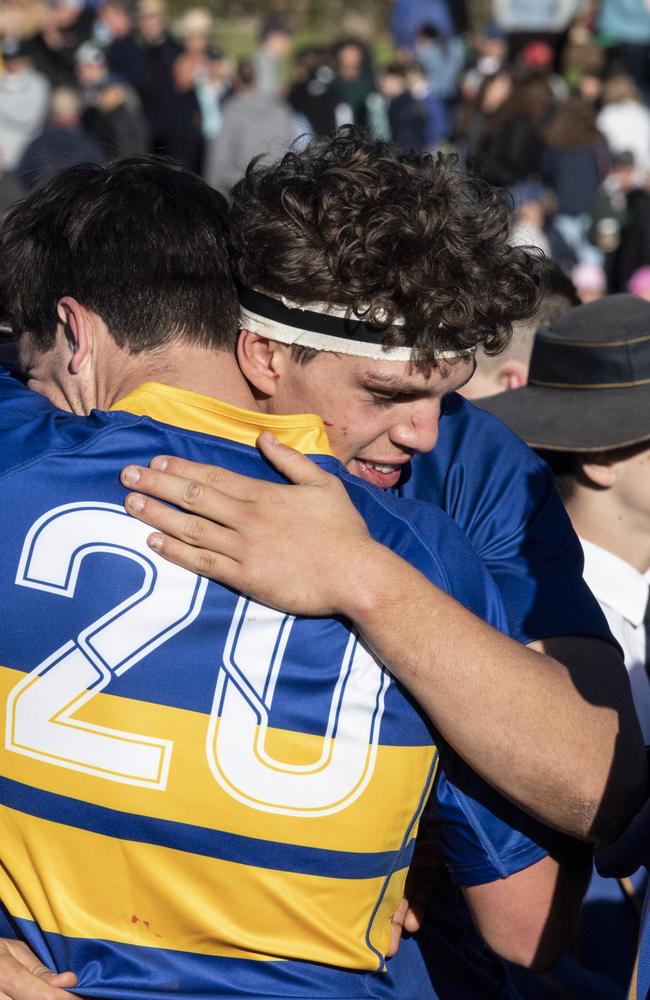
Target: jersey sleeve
504, 499
482, 836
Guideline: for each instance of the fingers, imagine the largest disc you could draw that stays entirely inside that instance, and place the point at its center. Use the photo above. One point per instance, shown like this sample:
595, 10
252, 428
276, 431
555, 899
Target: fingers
413, 916
295, 466
191, 495
203, 562
230, 483
24, 977
396, 927
197, 532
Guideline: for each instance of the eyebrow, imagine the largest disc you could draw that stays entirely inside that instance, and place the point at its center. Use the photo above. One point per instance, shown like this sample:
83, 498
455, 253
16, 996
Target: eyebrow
397, 383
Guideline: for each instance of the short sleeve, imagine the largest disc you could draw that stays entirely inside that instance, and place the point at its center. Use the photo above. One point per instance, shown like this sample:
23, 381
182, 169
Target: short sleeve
482, 836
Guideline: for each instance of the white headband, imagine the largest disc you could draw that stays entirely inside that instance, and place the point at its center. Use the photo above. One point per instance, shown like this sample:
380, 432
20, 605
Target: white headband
322, 327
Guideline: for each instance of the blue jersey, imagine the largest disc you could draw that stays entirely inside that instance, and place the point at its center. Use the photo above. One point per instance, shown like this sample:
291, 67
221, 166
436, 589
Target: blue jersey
200, 794
503, 497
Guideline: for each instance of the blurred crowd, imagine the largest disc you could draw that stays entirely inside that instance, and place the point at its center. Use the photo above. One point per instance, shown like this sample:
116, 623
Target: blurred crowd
549, 100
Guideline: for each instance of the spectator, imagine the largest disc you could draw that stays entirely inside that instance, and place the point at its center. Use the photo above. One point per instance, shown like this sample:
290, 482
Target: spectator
476, 116
112, 111
590, 281
574, 164
270, 56
66, 25
586, 411
633, 249
313, 92
406, 110
624, 120
625, 26
639, 283
487, 56
182, 113
353, 82
530, 217
511, 146
62, 143
441, 59
24, 99
152, 61
610, 211
409, 16
496, 373
253, 124
535, 20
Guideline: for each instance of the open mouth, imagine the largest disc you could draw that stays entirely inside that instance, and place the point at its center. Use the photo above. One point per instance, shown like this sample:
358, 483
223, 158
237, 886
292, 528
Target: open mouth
382, 474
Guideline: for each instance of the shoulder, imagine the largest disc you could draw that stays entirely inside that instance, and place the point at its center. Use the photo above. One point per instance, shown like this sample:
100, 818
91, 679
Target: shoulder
427, 538
503, 497
475, 459
31, 427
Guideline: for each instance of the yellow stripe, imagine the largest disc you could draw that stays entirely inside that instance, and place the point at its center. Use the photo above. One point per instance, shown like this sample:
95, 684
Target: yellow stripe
85, 885
193, 412
376, 821
589, 385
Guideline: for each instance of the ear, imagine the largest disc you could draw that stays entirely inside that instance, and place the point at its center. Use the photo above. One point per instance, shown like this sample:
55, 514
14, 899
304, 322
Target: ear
77, 329
600, 470
513, 374
262, 361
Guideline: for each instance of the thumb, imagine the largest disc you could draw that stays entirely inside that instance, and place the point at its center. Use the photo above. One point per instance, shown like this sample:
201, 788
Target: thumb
293, 464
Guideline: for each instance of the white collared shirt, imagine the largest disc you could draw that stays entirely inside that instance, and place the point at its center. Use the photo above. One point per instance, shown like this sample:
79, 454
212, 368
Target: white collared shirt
622, 593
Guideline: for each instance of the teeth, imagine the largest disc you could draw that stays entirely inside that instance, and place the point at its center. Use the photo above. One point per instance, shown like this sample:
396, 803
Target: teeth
381, 468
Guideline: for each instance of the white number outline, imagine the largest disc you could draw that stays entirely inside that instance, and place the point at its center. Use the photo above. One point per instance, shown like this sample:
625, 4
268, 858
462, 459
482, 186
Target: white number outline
244, 690
84, 655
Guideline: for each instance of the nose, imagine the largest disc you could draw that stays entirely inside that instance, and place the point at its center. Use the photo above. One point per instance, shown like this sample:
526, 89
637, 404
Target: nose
417, 429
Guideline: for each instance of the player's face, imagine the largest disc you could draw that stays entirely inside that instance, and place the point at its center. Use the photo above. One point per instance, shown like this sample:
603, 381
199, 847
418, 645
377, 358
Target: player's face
377, 413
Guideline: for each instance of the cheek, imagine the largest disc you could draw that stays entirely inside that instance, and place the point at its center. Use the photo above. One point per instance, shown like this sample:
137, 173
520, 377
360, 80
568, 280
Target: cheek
341, 430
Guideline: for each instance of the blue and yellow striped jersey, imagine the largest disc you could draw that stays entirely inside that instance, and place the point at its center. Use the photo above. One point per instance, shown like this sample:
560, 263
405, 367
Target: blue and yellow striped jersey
198, 794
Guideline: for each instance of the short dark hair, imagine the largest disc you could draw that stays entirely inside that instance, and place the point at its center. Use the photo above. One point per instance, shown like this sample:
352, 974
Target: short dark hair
140, 241
566, 466
386, 233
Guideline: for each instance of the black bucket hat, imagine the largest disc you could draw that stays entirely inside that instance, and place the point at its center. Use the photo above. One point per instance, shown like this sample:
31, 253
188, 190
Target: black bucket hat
589, 380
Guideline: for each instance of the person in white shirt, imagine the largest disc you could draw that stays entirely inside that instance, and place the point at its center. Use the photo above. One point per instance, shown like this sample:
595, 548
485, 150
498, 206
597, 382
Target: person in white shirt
624, 120
586, 410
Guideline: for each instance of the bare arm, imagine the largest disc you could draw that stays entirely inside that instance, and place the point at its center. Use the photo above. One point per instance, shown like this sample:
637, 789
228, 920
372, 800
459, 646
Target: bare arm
531, 917
561, 739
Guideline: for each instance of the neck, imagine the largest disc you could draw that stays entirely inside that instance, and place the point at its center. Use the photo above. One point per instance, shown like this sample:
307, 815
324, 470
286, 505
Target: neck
599, 518
182, 365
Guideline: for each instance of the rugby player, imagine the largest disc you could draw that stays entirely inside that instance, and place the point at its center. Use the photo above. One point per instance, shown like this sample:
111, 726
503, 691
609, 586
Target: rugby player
330, 224
196, 789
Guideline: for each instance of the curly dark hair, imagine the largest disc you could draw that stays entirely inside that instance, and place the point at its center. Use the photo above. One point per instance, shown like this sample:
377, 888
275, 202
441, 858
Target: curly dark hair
387, 233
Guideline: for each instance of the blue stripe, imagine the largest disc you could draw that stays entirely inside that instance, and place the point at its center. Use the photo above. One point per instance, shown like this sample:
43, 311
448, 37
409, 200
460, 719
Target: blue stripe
197, 839
112, 971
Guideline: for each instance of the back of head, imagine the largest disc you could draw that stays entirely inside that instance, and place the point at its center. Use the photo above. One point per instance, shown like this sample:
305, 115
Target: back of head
496, 373
589, 381
139, 241
385, 234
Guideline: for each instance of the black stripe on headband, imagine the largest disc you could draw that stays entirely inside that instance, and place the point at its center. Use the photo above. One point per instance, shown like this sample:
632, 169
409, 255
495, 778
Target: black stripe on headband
350, 328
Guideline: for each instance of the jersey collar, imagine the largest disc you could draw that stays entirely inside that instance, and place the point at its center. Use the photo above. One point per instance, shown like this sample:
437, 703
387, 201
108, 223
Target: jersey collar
193, 412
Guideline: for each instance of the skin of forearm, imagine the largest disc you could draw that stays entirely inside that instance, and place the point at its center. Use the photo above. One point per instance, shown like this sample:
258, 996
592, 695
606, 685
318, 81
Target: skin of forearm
515, 715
